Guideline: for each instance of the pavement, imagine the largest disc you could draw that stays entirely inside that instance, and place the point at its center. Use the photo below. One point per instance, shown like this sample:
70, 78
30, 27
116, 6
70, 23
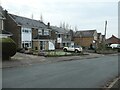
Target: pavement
114, 84
21, 59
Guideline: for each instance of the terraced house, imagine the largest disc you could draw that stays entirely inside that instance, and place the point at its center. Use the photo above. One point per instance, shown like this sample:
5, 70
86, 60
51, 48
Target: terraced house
28, 32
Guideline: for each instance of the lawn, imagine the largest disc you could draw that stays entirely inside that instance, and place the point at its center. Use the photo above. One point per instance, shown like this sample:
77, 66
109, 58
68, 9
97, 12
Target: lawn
57, 53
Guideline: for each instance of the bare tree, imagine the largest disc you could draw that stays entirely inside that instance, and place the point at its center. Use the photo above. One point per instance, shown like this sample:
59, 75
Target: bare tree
65, 25
60, 24
76, 29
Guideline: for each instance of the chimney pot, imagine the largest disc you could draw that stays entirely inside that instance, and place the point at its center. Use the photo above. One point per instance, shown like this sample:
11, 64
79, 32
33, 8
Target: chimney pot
48, 24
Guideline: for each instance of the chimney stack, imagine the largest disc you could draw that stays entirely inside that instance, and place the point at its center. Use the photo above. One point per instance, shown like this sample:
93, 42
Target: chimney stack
48, 24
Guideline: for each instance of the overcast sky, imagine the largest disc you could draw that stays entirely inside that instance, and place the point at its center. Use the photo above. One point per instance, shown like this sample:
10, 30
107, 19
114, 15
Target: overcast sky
85, 14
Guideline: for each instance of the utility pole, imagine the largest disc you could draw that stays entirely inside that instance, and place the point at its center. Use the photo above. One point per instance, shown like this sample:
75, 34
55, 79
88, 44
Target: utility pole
105, 28
104, 44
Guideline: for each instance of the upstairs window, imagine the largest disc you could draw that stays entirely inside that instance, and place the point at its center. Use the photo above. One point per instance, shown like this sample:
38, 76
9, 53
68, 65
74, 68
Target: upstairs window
39, 32
24, 30
46, 32
67, 36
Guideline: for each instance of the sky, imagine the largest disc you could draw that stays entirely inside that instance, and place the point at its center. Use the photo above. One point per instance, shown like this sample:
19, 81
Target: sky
83, 14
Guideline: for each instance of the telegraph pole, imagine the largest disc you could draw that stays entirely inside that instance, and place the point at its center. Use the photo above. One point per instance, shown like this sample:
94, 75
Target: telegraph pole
104, 42
105, 28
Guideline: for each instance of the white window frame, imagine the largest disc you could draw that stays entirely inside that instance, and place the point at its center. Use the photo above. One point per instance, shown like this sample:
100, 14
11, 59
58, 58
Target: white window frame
26, 31
46, 32
39, 32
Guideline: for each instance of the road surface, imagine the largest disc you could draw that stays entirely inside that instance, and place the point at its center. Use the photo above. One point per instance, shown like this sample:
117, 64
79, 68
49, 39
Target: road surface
87, 73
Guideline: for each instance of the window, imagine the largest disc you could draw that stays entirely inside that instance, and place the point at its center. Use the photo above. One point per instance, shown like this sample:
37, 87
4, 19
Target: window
39, 32
42, 45
23, 30
67, 44
58, 35
63, 44
26, 30
46, 32
26, 44
67, 36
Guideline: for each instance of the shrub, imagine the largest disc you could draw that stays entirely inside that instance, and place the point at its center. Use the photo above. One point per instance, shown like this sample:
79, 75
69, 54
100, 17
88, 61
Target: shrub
19, 49
8, 48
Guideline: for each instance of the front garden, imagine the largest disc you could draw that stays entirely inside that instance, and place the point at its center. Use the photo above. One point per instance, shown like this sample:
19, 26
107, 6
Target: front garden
54, 53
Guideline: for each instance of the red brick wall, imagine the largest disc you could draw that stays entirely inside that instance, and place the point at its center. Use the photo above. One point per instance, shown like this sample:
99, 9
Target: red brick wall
113, 40
83, 41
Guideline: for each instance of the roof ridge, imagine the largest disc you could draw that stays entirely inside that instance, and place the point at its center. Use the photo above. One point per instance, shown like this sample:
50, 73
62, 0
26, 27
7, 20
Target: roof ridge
25, 17
24, 21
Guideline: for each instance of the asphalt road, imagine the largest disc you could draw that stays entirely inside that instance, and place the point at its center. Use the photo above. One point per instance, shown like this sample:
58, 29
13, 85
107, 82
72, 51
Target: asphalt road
87, 73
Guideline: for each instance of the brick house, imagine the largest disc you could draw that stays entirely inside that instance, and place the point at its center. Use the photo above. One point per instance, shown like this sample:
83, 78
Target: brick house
3, 33
113, 40
64, 37
24, 30
86, 38
45, 39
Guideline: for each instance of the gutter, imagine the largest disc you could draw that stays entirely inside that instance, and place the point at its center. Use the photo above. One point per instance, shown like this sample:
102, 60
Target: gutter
112, 85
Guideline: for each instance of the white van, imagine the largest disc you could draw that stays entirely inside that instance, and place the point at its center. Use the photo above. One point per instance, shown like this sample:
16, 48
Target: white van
115, 45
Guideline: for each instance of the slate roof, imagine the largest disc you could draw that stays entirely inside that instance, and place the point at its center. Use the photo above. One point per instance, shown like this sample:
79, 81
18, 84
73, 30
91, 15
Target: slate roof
86, 33
26, 22
59, 30
113, 40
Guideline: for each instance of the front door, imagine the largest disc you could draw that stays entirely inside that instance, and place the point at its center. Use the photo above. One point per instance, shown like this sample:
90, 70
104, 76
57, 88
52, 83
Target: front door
41, 45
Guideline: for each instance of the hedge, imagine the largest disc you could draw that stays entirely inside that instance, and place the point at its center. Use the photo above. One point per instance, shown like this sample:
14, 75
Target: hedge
8, 48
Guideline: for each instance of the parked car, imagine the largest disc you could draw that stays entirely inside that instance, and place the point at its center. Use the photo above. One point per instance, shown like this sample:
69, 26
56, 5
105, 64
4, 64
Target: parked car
73, 49
115, 46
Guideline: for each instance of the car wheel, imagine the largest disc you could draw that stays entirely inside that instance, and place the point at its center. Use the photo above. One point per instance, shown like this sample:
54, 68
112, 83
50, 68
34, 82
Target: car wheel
65, 50
76, 51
